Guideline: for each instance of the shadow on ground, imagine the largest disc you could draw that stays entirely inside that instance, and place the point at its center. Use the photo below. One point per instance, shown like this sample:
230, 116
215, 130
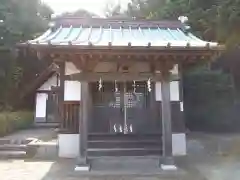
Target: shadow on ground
210, 157
101, 170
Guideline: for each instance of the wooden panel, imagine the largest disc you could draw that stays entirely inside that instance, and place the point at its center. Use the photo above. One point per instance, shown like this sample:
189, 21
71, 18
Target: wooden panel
70, 117
178, 123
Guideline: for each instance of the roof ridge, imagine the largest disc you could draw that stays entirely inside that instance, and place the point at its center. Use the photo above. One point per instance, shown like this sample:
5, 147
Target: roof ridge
86, 21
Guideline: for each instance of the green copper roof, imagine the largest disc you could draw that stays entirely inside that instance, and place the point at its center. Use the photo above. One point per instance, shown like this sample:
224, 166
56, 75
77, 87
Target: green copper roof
153, 34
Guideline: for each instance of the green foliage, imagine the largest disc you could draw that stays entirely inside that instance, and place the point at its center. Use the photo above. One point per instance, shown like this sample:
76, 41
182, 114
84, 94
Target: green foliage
112, 10
78, 13
208, 95
19, 21
12, 121
208, 99
217, 20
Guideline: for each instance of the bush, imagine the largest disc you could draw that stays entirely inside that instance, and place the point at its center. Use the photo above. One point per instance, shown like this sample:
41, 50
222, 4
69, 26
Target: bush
12, 121
209, 102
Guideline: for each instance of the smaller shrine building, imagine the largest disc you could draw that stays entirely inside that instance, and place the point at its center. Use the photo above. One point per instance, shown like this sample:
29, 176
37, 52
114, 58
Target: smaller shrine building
116, 86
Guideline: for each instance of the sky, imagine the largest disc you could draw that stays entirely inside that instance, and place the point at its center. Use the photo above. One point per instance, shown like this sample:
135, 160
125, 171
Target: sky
95, 6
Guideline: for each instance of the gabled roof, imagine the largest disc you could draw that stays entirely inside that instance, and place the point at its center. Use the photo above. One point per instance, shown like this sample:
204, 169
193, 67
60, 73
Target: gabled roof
40, 80
96, 32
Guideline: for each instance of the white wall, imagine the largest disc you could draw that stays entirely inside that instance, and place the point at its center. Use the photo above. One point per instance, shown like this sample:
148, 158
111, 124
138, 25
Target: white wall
68, 145
174, 91
52, 81
72, 91
41, 99
179, 147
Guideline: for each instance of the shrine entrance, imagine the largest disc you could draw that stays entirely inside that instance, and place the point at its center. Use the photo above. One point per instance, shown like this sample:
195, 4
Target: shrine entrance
124, 108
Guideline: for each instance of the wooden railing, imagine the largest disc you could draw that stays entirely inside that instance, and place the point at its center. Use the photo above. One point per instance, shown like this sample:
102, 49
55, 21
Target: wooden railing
70, 119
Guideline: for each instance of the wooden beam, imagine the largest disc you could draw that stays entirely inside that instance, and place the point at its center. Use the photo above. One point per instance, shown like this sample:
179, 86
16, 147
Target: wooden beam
44, 91
109, 76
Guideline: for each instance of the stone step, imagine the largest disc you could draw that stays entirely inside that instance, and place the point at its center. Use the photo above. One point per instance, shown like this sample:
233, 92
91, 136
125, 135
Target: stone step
46, 125
12, 154
94, 152
124, 144
128, 137
13, 147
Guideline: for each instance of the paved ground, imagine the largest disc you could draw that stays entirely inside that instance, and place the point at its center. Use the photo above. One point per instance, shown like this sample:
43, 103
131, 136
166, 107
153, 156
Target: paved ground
211, 157
215, 156
63, 170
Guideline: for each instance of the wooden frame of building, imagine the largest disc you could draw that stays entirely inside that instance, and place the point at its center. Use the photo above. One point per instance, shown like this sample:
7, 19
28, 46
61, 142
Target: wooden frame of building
127, 70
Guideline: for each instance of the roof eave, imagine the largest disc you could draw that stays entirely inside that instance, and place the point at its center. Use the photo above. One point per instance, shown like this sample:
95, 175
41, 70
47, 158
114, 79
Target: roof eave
91, 47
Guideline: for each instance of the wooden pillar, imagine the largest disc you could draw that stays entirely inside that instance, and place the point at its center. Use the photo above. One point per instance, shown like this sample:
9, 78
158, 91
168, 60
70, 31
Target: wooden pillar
82, 163
61, 94
166, 120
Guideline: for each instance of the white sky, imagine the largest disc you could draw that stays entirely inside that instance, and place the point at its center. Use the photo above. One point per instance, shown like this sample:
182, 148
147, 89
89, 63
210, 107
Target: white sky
95, 6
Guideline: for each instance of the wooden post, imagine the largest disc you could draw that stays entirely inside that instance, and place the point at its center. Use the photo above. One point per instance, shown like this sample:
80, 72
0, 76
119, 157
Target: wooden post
61, 94
82, 164
166, 120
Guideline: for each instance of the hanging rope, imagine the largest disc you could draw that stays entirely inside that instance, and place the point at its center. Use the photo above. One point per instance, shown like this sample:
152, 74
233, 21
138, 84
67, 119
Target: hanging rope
116, 87
149, 85
100, 84
134, 86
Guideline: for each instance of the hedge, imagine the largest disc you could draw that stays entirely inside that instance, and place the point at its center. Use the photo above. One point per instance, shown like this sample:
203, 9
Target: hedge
12, 121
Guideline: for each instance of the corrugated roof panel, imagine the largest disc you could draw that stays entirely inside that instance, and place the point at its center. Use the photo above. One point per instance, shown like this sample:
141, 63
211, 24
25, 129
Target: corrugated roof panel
164, 33
127, 36
52, 35
139, 38
155, 37
194, 38
43, 36
83, 36
118, 37
95, 35
131, 37
174, 35
74, 34
181, 35
105, 38
61, 36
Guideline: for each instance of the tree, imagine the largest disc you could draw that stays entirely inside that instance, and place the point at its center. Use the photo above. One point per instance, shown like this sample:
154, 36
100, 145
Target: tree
79, 13
216, 20
19, 21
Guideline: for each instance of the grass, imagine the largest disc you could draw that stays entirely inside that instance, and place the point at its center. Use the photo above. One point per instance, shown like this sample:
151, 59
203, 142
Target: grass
13, 121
